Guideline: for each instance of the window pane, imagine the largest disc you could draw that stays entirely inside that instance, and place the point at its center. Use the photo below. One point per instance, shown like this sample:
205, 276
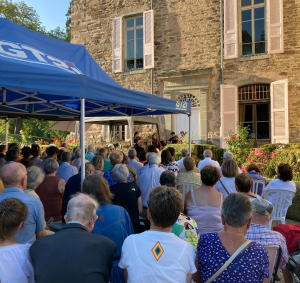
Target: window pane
250, 127
259, 13
260, 47
139, 21
130, 49
139, 33
245, 3
246, 15
130, 23
247, 49
259, 1
130, 35
259, 30
246, 32
262, 112
139, 63
248, 113
130, 65
139, 48
263, 130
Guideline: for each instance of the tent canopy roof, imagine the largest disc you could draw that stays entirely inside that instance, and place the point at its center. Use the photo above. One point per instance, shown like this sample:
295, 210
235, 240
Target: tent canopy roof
42, 77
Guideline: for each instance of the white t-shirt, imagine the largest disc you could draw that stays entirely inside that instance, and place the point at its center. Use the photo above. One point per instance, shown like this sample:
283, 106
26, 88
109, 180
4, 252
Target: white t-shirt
207, 161
15, 265
229, 184
156, 257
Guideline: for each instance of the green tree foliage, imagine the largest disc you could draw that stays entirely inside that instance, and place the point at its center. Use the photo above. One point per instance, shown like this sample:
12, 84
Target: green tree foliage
68, 24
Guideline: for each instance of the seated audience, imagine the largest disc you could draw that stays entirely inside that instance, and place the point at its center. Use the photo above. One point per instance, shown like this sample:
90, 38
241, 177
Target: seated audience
77, 161
158, 249
73, 254
73, 186
132, 172
184, 153
52, 152
66, 170
243, 184
104, 154
207, 154
127, 195
116, 157
142, 157
168, 161
15, 265
3, 150
226, 183
13, 154
228, 156
149, 178
35, 153
132, 154
90, 152
114, 221
254, 172
12, 144
51, 190
282, 182
214, 249
168, 178
259, 233
14, 178
189, 175
35, 177
205, 203
26, 156
98, 163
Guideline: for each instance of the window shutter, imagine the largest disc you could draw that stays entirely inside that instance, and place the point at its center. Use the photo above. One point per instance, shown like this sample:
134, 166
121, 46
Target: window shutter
117, 45
229, 111
275, 26
279, 112
230, 29
148, 39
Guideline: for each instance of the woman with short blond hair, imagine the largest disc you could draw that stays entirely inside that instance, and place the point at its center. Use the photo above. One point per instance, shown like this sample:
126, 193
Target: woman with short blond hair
189, 175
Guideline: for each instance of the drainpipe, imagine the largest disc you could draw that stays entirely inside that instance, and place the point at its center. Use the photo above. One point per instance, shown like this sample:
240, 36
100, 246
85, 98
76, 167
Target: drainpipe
221, 42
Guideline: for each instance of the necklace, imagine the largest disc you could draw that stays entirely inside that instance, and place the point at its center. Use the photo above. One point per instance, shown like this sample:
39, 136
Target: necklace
233, 233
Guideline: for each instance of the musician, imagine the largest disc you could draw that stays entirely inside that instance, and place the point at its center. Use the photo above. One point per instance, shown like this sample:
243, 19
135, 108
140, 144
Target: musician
174, 138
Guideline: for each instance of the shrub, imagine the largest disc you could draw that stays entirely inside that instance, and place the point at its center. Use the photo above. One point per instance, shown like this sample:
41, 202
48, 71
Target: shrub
294, 210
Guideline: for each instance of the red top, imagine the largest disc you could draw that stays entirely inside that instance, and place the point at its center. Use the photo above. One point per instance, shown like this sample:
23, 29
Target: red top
51, 197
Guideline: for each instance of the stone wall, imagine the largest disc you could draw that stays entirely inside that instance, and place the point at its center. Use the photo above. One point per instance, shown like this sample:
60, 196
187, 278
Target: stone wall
187, 46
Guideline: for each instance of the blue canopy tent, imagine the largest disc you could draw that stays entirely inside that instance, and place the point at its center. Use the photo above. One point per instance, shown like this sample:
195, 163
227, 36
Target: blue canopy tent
45, 78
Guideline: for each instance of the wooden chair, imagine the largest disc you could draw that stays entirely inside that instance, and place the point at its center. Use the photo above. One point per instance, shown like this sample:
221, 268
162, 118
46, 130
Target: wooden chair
185, 187
275, 253
279, 204
256, 185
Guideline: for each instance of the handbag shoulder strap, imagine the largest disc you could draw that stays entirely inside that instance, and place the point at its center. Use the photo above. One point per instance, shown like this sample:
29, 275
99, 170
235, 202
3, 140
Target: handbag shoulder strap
234, 255
224, 186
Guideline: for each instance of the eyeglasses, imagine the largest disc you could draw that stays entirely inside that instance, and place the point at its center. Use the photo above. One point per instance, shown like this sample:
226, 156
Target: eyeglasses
95, 217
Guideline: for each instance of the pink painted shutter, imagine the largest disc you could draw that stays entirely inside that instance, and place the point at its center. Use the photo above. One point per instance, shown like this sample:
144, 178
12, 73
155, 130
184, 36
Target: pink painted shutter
275, 26
229, 111
279, 112
148, 39
117, 45
230, 29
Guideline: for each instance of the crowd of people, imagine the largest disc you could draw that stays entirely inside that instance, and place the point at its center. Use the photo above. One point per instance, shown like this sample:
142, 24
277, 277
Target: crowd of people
128, 221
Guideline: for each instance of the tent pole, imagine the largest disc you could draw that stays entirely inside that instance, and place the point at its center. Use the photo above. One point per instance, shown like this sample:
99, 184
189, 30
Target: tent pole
131, 124
6, 132
190, 141
82, 139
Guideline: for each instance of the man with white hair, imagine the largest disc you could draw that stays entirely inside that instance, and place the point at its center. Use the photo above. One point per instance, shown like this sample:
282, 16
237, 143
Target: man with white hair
149, 177
184, 153
132, 154
207, 154
90, 152
14, 178
86, 257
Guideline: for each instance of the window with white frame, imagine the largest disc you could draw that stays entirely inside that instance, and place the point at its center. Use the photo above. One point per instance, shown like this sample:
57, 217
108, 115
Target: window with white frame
134, 50
134, 43
252, 27
252, 17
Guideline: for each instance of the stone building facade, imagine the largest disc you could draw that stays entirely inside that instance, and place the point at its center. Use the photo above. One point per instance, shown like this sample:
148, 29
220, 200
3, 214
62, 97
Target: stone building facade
249, 76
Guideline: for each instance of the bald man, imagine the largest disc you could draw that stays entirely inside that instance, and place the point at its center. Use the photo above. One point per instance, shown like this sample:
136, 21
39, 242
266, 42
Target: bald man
14, 178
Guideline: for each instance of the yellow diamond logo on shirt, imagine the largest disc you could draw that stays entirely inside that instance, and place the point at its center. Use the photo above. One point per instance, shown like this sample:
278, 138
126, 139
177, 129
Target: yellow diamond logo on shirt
157, 250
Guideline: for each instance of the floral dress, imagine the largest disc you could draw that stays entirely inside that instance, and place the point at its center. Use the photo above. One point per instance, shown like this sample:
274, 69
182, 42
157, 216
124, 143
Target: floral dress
173, 166
251, 265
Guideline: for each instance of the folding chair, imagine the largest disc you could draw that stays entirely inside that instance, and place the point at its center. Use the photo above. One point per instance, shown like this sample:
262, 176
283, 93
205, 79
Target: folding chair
185, 187
256, 185
279, 204
275, 254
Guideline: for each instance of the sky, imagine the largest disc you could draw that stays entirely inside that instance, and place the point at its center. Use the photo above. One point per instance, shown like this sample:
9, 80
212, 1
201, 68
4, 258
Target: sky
52, 12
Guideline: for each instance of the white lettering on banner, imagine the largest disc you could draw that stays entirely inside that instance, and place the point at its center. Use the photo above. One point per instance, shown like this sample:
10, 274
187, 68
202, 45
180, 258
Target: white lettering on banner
181, 104
26, 53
